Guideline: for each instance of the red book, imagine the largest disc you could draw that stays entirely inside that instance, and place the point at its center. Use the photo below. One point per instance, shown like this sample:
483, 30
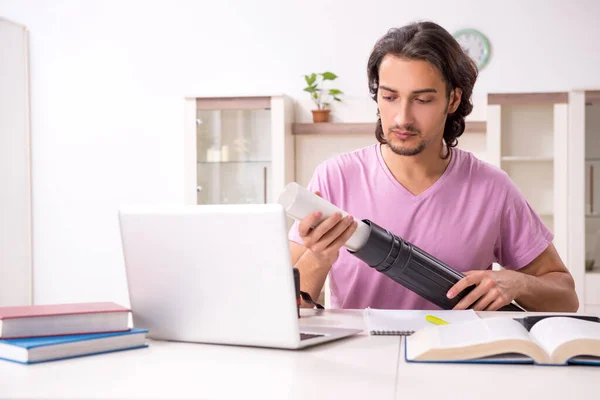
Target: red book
62, 319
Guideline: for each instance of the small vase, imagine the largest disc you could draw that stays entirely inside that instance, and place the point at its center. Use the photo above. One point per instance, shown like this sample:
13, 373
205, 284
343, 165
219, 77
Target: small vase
320, 115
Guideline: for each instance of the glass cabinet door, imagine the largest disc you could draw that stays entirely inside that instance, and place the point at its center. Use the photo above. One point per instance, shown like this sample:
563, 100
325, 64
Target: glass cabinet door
233, 156
592, 187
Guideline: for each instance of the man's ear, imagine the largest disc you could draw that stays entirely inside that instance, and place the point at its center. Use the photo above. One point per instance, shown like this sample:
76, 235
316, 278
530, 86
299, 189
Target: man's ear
455, 97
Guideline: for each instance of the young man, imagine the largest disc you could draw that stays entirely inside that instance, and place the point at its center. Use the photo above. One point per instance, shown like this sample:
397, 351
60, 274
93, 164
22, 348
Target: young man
416, 184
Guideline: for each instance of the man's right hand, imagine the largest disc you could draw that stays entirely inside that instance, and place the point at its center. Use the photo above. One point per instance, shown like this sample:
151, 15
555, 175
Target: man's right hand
326, 239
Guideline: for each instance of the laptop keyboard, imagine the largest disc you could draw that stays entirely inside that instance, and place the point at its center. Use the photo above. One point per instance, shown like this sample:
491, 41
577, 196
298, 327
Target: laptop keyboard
304, 336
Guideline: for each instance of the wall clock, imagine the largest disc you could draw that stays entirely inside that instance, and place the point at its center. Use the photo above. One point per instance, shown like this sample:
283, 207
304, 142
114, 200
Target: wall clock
475, 44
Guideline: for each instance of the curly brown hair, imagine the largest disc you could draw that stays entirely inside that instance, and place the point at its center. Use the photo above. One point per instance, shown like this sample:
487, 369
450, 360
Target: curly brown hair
430, 42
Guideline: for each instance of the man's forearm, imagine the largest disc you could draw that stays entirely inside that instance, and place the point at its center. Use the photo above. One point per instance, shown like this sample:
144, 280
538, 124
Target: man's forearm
312, 275
554, 291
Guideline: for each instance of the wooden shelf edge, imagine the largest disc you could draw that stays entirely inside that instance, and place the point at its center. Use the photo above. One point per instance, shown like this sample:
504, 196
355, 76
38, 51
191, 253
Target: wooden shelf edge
362, 128
333, 128
592, 96
475, 127
528, 98
233, 103
595, 272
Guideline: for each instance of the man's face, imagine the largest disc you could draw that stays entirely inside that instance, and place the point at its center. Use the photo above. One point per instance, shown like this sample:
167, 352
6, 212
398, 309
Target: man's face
413, 104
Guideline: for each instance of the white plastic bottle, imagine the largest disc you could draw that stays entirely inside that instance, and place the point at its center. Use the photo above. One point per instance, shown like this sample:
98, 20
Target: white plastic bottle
299, 202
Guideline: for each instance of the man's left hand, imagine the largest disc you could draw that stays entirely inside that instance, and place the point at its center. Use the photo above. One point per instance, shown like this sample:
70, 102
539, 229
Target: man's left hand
494, 289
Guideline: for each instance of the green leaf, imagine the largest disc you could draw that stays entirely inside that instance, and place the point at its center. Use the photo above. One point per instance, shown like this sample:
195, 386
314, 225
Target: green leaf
333, 92
310, 79
315, 95
337, 99
325, 105
311, 89
328, 76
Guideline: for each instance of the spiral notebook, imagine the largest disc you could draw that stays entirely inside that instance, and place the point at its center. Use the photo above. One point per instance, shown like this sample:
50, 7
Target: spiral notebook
407, 322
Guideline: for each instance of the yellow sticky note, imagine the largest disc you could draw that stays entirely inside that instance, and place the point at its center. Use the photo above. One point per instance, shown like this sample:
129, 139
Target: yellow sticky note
436, 320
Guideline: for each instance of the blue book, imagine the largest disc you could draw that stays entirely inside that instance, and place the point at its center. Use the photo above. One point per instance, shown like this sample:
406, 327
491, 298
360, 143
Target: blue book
52, 348
556, 340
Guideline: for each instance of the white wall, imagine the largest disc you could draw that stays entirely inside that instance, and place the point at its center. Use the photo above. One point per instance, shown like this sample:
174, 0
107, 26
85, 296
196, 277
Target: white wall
109, 78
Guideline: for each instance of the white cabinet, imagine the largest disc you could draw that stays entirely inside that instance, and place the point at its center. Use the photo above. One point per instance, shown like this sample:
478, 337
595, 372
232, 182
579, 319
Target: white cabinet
15, 168
549, 144
585, 192
238, 149
527, 137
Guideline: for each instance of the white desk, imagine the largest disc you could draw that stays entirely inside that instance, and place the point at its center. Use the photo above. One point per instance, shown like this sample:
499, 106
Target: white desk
361, 367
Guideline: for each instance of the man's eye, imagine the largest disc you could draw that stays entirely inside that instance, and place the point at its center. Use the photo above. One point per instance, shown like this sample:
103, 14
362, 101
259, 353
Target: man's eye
388, 98
421, 101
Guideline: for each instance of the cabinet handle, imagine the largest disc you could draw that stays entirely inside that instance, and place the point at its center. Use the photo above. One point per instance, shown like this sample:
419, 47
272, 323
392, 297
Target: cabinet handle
592, 189
265, 184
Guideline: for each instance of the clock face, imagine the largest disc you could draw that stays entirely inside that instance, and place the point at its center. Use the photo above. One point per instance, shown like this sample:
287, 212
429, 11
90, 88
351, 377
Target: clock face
475, 44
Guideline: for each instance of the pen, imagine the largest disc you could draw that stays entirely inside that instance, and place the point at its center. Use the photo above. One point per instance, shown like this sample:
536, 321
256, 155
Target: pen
436, 320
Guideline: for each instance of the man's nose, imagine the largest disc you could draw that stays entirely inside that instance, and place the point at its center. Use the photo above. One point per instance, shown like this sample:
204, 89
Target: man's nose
403, 115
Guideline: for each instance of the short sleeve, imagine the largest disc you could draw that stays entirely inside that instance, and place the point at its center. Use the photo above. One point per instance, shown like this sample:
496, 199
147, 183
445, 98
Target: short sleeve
318, 182
523, 235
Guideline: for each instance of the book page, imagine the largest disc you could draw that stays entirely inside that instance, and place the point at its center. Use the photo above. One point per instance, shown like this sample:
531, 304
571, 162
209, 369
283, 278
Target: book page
552, 332
500, 337
503, 328
486, 330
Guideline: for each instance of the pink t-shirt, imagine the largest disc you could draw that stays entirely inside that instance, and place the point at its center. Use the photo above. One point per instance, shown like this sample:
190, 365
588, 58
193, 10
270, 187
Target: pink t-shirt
471, 217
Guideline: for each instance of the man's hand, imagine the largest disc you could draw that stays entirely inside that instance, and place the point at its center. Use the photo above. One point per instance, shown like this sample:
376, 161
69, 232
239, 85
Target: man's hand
326, 239
494, 289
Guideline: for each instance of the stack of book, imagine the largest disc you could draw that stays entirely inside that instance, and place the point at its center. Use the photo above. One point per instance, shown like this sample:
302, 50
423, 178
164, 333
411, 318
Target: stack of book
33, 334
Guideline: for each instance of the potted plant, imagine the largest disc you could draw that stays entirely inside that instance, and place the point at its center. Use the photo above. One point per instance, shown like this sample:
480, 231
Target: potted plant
322, 97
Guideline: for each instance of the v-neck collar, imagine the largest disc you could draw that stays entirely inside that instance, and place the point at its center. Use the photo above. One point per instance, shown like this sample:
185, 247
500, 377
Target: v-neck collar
430, 190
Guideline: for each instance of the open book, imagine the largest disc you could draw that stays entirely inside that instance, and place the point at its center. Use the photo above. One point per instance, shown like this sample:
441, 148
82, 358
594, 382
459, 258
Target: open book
556, 341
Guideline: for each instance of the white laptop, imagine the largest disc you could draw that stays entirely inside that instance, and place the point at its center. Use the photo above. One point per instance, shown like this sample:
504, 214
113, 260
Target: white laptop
215, 274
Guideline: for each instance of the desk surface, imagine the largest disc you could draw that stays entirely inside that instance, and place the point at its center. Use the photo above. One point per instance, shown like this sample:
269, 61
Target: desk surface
354, 368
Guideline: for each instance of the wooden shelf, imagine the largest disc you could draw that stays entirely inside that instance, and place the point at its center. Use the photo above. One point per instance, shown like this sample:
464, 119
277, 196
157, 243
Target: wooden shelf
233, 103
236, 162
526, 159
592, 97
333, 128
594, 272
528, 98
361, 128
